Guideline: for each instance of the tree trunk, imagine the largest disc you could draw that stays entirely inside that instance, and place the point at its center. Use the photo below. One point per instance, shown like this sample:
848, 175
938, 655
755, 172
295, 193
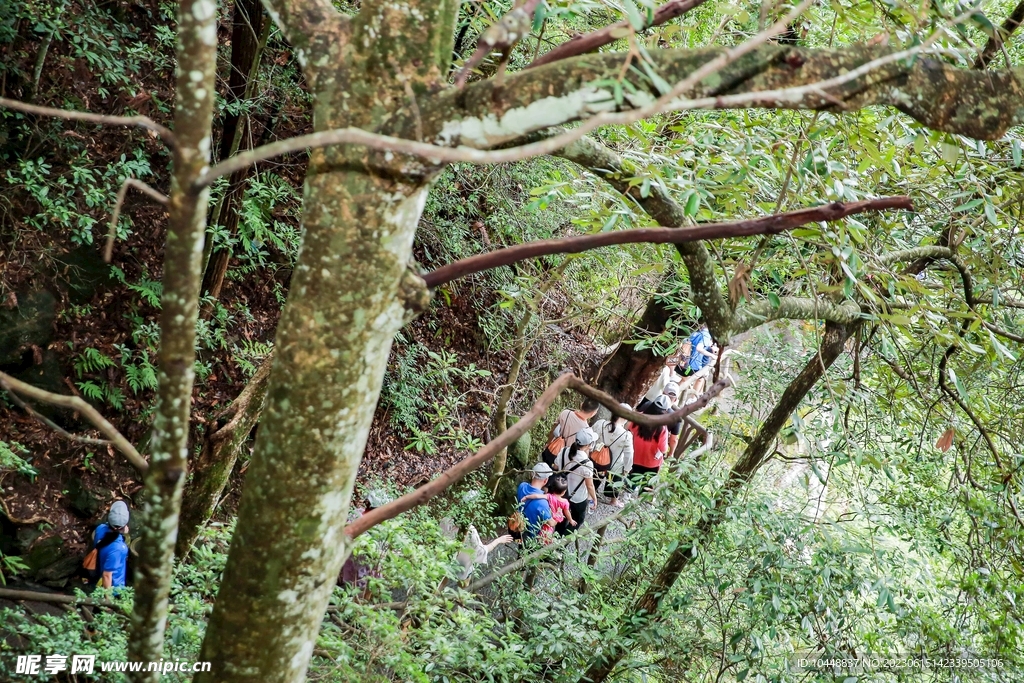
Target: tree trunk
647, 608
249, 34
629, 371
193, 120
221, 444
352, 290
523, 346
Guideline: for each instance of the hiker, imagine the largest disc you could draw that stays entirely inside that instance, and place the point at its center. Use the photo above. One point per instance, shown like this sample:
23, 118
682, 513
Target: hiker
613, 455
536, 511
353, 572
568, 423
111, 560
671, 390
700, 351
574, 461
475, 552
557, 488
650, 444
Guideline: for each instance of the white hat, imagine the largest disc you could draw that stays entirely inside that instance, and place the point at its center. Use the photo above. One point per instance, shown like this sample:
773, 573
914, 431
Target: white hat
663, 402
585, 437
542, 470
671, 388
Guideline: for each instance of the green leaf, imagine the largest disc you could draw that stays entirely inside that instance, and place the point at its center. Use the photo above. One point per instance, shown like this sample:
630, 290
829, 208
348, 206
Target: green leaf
949, 152
539, 15
692, 204
636, 20
1016, 152
774, 299
990, 213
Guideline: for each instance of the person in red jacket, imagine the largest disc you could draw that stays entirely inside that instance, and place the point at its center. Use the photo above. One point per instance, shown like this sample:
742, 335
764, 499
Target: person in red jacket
650, 444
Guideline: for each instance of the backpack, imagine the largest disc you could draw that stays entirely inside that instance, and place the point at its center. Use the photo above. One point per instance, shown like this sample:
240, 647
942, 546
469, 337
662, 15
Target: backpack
90, 565
517, 523
602, 454
556, 445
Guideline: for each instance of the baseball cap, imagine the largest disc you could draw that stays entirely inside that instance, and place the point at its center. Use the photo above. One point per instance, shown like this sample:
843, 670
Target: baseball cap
118, 515
542, 470
585, 437
671, 388
663, 402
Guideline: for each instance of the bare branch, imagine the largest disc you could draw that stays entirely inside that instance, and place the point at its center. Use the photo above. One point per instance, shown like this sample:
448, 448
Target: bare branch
995, 43
75, 403
589, 42
108, 249
509, 436
502, 35
39, 596
768, 225
102, 119
50, 423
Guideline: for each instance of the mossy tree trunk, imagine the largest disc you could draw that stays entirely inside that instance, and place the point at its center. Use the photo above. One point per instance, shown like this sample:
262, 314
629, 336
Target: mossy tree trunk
351, 292
221, 444
183, 251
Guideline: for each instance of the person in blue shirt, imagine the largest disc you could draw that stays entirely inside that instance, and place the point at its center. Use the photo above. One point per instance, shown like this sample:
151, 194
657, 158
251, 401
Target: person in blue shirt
536, 511
700, 351
112, 558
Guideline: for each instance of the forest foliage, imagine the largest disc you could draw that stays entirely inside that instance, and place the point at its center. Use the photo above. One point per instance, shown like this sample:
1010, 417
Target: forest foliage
887, 519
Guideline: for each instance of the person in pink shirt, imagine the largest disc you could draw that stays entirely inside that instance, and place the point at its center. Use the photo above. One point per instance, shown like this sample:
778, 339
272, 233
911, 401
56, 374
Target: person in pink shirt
556, 489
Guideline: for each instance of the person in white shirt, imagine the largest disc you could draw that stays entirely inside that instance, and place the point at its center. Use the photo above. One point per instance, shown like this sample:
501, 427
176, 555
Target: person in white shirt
613, 435
574, 461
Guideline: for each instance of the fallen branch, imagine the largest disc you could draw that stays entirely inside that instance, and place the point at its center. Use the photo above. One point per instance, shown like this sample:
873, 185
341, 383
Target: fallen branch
102, 119
508, 437
50, 423
588, 42
108, 250
77, 404
39, 596
768, 225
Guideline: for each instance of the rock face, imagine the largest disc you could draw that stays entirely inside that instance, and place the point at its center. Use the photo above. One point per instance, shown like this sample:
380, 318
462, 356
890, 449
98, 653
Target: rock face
29, 323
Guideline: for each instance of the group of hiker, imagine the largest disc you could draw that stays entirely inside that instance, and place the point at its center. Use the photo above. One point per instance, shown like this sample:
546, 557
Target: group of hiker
580, 462
610, 457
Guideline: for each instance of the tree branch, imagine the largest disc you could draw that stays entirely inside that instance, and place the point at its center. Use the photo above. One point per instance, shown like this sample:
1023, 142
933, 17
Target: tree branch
102, 119
108, 249
1002, 34
768, 225
77, 404
589, 42
509, 436
437, 154
795, 308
